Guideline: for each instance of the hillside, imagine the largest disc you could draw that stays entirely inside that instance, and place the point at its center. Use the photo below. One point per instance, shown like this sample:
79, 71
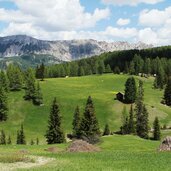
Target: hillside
74, 91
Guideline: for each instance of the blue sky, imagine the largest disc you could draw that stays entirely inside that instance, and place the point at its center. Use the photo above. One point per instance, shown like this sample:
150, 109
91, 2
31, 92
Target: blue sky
148, 21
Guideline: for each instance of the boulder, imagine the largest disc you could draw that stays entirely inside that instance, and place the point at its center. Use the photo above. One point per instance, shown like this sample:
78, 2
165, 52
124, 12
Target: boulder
166, 144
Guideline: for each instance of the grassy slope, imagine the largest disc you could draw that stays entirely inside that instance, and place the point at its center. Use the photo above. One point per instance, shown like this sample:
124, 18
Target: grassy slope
118, 153
74, 91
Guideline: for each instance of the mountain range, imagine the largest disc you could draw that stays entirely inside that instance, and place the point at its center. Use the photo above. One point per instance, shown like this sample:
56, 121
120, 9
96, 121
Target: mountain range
26, 47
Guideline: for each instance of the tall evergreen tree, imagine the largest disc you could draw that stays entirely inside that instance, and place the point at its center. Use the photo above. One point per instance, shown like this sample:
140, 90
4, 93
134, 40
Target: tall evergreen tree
89, 127
38, 97
2, 138
3, 105
101, 67
130, 90
15, 77
76, 122
81, 71
156, 127
106, 130
4, 82
21, 136
131, 123
30, 88
55, 133
167, 93
141, 114
108, 69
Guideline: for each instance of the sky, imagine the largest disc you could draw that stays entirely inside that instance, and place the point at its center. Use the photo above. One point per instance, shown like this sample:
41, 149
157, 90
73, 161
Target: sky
148, 21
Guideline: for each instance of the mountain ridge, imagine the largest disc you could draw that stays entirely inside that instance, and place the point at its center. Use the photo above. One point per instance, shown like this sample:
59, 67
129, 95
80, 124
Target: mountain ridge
63, 50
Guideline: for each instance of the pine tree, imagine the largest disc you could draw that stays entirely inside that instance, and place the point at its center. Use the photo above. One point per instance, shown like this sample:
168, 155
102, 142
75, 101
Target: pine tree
3, 105
37, 141
76, 122
4, 82
106, 130
156, 127
131, 123
101, 67
30, 85
167, 93
31, 142
108, 69
55, 133
38, 98
81, 71
89, 127
15, 77
141, 114
117, 70
159, 81
42, 72
132, 68
21, 136
9, 142
130, 90
2, 138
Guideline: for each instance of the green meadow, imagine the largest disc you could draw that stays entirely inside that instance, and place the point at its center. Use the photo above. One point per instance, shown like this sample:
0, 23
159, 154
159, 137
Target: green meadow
117, 152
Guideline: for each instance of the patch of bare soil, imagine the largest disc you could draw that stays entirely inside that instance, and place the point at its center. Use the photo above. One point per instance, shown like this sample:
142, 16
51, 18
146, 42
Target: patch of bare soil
82, 146
38, 161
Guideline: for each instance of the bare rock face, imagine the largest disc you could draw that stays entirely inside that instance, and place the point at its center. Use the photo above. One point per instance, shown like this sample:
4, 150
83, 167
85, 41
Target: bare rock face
166, 144
64, 50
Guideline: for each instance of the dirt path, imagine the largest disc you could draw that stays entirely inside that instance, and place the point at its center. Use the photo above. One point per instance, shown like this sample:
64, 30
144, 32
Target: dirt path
39, 161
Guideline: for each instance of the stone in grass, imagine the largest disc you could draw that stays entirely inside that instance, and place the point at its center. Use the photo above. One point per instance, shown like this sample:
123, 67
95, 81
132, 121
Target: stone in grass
166, 144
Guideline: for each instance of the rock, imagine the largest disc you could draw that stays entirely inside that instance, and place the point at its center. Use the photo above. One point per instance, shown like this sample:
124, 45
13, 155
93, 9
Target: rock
166, 144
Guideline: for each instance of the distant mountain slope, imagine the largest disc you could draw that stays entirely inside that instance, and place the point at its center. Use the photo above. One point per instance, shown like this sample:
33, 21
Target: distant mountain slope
19, 45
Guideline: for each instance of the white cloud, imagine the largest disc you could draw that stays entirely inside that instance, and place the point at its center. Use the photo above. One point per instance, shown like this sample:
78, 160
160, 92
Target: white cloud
123, 22
130, 2
53, 15
155, 17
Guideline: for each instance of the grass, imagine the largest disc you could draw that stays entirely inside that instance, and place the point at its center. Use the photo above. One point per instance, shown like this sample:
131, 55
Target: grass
118, 153
71, 92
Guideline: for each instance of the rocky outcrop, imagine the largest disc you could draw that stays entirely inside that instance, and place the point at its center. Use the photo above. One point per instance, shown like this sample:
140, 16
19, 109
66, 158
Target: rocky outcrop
166, 144
62, 50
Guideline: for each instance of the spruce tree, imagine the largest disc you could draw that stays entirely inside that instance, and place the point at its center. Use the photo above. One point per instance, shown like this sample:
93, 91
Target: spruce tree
106, 130
21, 136
108, 69
141, 114
76, 122
167, 93
81, 71
130, 90
101, 67
3, 105
4, 82
131, 123
30, 88
31, 142
37, 141
38, 98
15, 77
42, 72
2, 138
55, 133
89, 127
156, 127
